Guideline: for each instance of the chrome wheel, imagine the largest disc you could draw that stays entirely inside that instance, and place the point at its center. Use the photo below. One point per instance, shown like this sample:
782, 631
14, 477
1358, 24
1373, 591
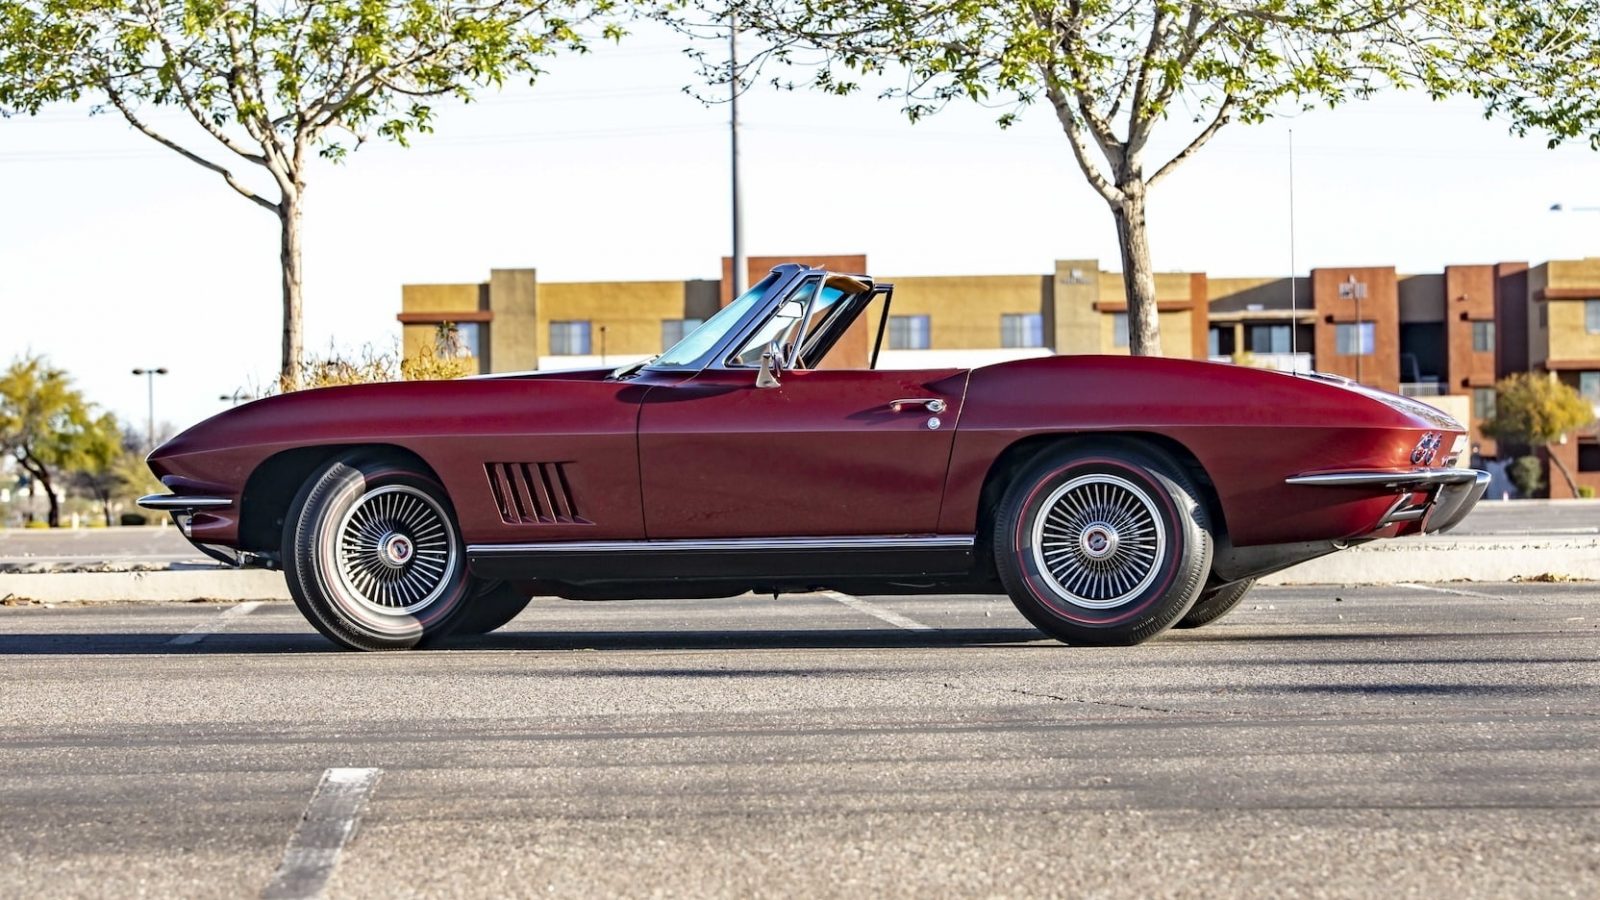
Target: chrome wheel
395, 550
1099, 541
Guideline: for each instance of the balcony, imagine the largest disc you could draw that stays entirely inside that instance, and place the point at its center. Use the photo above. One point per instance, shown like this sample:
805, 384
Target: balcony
1283, 362
1424, 388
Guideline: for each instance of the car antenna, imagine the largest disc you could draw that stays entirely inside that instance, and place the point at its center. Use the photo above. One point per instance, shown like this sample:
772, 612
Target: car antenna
1294, 299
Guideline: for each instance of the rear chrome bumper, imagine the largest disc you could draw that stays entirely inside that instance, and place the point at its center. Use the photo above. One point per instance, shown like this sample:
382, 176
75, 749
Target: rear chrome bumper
1451, 493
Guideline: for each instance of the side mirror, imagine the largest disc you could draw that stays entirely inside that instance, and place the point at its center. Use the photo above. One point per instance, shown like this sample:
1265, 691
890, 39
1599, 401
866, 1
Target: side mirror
771, 365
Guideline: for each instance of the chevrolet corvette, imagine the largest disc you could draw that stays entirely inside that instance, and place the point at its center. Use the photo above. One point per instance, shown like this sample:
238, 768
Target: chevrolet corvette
1110, 497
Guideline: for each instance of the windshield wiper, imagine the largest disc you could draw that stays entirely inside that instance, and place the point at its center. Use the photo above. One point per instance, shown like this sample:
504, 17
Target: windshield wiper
630, 369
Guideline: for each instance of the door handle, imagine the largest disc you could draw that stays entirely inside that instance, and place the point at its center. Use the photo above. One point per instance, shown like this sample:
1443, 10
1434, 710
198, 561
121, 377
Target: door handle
931, 404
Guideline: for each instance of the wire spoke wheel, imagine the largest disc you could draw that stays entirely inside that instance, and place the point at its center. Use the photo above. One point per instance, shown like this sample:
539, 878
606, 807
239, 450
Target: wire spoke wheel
395, 551
1098, 540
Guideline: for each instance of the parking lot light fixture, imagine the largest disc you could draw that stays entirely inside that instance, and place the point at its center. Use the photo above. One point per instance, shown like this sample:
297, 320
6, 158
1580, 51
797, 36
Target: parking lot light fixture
150, 408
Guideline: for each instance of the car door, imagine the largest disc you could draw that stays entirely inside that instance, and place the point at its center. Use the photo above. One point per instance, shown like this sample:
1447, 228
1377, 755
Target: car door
825, 452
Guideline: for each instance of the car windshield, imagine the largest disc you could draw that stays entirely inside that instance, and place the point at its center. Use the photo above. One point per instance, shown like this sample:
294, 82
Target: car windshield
700, 341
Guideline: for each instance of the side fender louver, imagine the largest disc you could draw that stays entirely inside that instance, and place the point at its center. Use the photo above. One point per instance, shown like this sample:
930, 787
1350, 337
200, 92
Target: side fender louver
533, 493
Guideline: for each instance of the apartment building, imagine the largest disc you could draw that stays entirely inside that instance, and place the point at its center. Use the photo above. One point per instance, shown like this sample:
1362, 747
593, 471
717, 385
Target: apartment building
1445, 336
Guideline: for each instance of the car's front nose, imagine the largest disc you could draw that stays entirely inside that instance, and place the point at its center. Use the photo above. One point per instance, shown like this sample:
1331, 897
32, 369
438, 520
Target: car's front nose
1436, 500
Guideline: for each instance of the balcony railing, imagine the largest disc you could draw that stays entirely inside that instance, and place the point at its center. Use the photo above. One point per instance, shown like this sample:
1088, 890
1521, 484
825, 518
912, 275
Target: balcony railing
1283, 362
1424, 388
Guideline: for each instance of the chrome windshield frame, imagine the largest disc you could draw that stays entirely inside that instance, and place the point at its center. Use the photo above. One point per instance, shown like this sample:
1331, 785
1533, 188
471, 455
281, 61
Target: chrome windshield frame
790, 277
789, 274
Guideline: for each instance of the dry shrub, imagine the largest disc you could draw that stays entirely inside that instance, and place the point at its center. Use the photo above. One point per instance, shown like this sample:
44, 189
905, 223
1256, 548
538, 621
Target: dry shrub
369, 366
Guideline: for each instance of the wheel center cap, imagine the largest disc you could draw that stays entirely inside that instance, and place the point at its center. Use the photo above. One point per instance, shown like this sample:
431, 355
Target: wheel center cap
1098, 541
395, 550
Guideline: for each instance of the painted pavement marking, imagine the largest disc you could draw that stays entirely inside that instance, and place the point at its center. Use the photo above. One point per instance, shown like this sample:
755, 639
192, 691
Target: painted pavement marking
893, 618
217, 623
325, 827
1444, 590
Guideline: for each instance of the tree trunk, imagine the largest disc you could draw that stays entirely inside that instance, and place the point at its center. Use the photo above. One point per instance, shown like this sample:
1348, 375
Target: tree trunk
1555, 460
289, 257
105, 508
1138, 276
41, 475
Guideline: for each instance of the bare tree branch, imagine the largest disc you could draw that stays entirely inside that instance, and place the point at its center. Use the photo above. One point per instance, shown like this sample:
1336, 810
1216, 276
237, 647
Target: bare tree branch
1080, 146
174, 146
1224, 113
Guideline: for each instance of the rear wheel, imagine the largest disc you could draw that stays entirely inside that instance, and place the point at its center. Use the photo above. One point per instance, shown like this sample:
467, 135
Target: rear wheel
1106, 542
373, 557
1215, 602
493, 606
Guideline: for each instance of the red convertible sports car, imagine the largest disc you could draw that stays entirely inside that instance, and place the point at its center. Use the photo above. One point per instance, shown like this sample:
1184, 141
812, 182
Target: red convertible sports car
1110, 497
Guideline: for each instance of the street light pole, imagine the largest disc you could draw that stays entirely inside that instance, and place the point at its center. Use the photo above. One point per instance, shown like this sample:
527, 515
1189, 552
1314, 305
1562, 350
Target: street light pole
150, 385
741, 265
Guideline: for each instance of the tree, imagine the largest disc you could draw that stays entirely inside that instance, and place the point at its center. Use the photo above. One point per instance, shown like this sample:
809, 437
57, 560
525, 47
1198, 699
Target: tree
46, 425
1116, 71
268, 85
1537, 410
113, 466
1542, 70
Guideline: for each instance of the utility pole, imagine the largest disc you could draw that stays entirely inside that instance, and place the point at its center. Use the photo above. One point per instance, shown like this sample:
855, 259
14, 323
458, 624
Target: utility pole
741, 264
150, 383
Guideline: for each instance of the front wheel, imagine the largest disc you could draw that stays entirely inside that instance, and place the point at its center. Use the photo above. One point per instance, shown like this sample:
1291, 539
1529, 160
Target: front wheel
372, 555
1106, 542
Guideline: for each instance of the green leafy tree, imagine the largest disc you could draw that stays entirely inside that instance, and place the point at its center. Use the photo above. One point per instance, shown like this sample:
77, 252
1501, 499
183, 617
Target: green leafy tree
47, 425
1118, 72
270, 85
1537, 410
113, 467
1527, 473
1540, 70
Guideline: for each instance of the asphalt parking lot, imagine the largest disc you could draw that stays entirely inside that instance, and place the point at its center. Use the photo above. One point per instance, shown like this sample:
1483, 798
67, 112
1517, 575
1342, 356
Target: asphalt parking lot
1395, 741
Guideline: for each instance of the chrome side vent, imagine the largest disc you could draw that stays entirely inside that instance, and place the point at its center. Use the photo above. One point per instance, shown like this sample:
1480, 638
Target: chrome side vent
533, 493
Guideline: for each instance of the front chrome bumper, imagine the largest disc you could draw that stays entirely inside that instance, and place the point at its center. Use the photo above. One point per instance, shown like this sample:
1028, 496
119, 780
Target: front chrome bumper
1451, 493
177, 503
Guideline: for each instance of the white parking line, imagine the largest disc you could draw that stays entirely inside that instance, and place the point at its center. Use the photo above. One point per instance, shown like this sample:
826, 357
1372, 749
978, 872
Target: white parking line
325, 827
1445, 590
893, 618
199, 633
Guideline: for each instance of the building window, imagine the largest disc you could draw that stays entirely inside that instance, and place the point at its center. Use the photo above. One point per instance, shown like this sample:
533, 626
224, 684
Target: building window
908, 332
1591, 316
1589, 456
1352, 290
1022, 330
1482, 403
569, 338
1354, 339
1219, 340
458, 340
1483, 337
1268, 338
1589, 386
1119, 330
675, 330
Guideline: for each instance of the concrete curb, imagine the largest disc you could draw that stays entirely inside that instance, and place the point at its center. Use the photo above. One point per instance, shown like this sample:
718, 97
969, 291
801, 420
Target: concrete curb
1446, 558
1465, 558
171, 586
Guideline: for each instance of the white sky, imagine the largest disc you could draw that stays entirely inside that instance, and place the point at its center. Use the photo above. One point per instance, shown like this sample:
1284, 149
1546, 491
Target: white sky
116, 253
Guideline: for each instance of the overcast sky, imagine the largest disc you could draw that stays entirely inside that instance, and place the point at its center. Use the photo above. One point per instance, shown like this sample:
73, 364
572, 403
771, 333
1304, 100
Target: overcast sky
115, 253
